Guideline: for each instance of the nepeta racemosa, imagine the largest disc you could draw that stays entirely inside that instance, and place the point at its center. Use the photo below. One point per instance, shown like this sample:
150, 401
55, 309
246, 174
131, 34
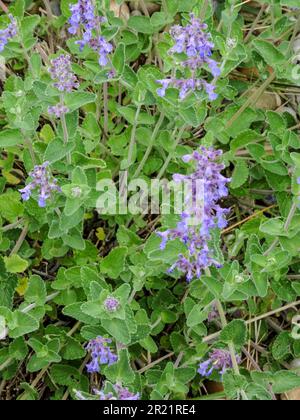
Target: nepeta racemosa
43, 181
64, 80
8, 33
62, 74
196, 45
101, 354
111, 304
219, 360
84, 17
197, 237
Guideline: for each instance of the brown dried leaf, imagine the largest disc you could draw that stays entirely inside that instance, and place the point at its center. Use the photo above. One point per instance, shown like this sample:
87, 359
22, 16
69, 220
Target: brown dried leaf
120, 11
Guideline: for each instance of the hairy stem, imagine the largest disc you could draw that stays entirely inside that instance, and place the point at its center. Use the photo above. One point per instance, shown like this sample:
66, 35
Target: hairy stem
171, 154
150, 146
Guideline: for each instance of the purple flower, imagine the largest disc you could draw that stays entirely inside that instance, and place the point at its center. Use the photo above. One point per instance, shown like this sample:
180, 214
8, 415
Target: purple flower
101, 354
8, 33
187, 86
43, 181
58, 110
111, 304
204, 188
84, 16
83, 13
124, 394
214, 313
196, 44
165, 84
219, 360
61, 73
103, 48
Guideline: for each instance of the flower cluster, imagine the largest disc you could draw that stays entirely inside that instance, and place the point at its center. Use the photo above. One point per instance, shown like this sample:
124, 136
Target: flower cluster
185, 86
111, 304
196, 45
62, 74
64, 80
43, 181
101, 354
58, 110
120, 394
84, 16
8, 33
219, 360
202, 214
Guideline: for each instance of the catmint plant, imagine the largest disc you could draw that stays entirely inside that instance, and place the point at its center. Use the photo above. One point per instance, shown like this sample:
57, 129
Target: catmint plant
195, 44
84, 18
101, 354
196, 236
8, 33
111, 304
149, 201
219, 360
43, 182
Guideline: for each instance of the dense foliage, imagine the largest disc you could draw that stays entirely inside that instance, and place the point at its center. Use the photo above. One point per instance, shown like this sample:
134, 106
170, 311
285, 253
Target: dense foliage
135, 304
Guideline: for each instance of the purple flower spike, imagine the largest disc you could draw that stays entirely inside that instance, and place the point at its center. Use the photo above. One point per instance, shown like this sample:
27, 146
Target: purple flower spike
58, 110
111, 304
124, 394
219, 360
8, 33
206, 186
61, 73
84, 16
196, 44
43, 181
101, 354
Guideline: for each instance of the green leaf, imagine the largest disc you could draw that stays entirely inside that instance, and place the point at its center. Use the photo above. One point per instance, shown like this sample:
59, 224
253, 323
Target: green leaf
121, 372
118, 329
235, 332
269, 53
118, 59
114, 264
10, 206
76, 100
140, 24
72, 349
9, 138
57, 150
21, 324
197, 315
36, 291
281, 346
3, 329
244, 138
15, 264
240, 174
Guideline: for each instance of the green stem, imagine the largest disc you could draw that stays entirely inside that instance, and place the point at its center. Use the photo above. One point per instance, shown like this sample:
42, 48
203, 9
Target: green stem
150, 146
25, 310
65, 132
171, 154
105, 109
20, 241
133, 133
286, 228
230, 346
